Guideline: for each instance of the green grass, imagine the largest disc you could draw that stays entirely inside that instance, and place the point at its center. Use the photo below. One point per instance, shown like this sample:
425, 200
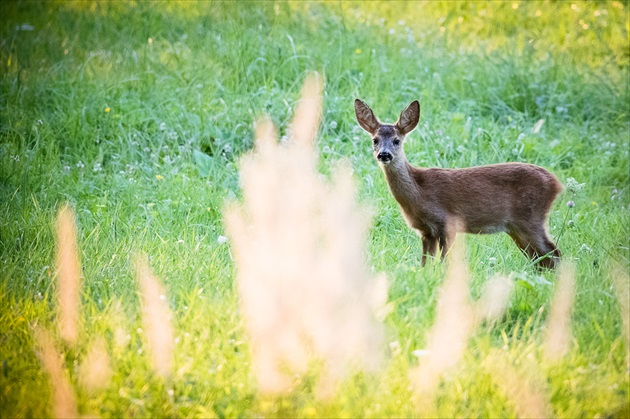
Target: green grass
104, 104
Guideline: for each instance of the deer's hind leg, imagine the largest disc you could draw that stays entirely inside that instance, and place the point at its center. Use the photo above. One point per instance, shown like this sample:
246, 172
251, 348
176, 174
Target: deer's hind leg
536, 244
546, 247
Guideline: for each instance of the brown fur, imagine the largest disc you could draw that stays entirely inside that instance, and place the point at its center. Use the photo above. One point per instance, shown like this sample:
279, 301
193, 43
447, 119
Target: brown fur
511, 197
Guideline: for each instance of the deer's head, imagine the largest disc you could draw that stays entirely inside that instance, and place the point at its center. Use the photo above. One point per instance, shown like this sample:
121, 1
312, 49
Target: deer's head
387, 139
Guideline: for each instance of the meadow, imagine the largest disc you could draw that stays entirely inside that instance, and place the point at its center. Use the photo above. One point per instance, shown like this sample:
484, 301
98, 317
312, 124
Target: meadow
137, 114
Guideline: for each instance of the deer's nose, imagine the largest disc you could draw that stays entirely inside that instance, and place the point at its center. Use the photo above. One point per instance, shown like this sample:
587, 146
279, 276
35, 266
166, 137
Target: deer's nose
385, 156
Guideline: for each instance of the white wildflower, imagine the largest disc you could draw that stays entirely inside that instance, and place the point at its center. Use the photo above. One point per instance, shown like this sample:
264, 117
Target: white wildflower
574, 186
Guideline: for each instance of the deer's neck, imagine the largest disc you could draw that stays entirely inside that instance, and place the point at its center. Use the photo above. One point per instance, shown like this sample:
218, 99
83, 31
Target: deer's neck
401, 183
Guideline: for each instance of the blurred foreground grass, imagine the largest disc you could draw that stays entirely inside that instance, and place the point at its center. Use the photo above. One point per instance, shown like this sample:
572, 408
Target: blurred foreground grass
137, 113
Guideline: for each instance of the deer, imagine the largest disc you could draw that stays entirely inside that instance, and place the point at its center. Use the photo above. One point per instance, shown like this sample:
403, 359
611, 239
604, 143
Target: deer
438, 203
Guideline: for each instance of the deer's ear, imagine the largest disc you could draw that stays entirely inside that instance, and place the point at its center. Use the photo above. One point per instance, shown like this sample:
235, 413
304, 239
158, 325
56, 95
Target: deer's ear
366, 117
409, 118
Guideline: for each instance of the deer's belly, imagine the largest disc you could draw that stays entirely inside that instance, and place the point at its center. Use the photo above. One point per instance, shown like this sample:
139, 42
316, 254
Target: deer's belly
487, 229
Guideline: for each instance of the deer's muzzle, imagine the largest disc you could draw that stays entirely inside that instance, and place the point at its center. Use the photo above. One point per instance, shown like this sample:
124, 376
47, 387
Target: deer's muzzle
384, 157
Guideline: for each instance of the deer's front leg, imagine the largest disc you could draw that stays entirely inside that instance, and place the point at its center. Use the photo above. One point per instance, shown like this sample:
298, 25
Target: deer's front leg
445, 240
429, 247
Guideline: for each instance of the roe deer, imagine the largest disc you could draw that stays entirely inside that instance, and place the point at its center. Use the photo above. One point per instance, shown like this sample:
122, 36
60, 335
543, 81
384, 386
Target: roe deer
511, 197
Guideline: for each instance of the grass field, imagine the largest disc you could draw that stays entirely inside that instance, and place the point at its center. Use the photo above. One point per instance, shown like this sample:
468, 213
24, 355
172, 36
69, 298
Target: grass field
136, 113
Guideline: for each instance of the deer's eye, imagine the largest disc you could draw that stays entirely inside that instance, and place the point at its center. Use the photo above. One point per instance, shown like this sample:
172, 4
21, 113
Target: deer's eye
375, 141
396, 142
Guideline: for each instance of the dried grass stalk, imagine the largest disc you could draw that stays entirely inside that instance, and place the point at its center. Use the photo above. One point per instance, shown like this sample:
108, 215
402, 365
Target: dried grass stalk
455, 320
95, 371
64, 402
298, 245
558, 334
495, 297
525, 391
68, 276
158, 332
621, 283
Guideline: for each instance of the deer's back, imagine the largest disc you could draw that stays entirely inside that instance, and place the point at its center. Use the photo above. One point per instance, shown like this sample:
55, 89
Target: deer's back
489, 198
